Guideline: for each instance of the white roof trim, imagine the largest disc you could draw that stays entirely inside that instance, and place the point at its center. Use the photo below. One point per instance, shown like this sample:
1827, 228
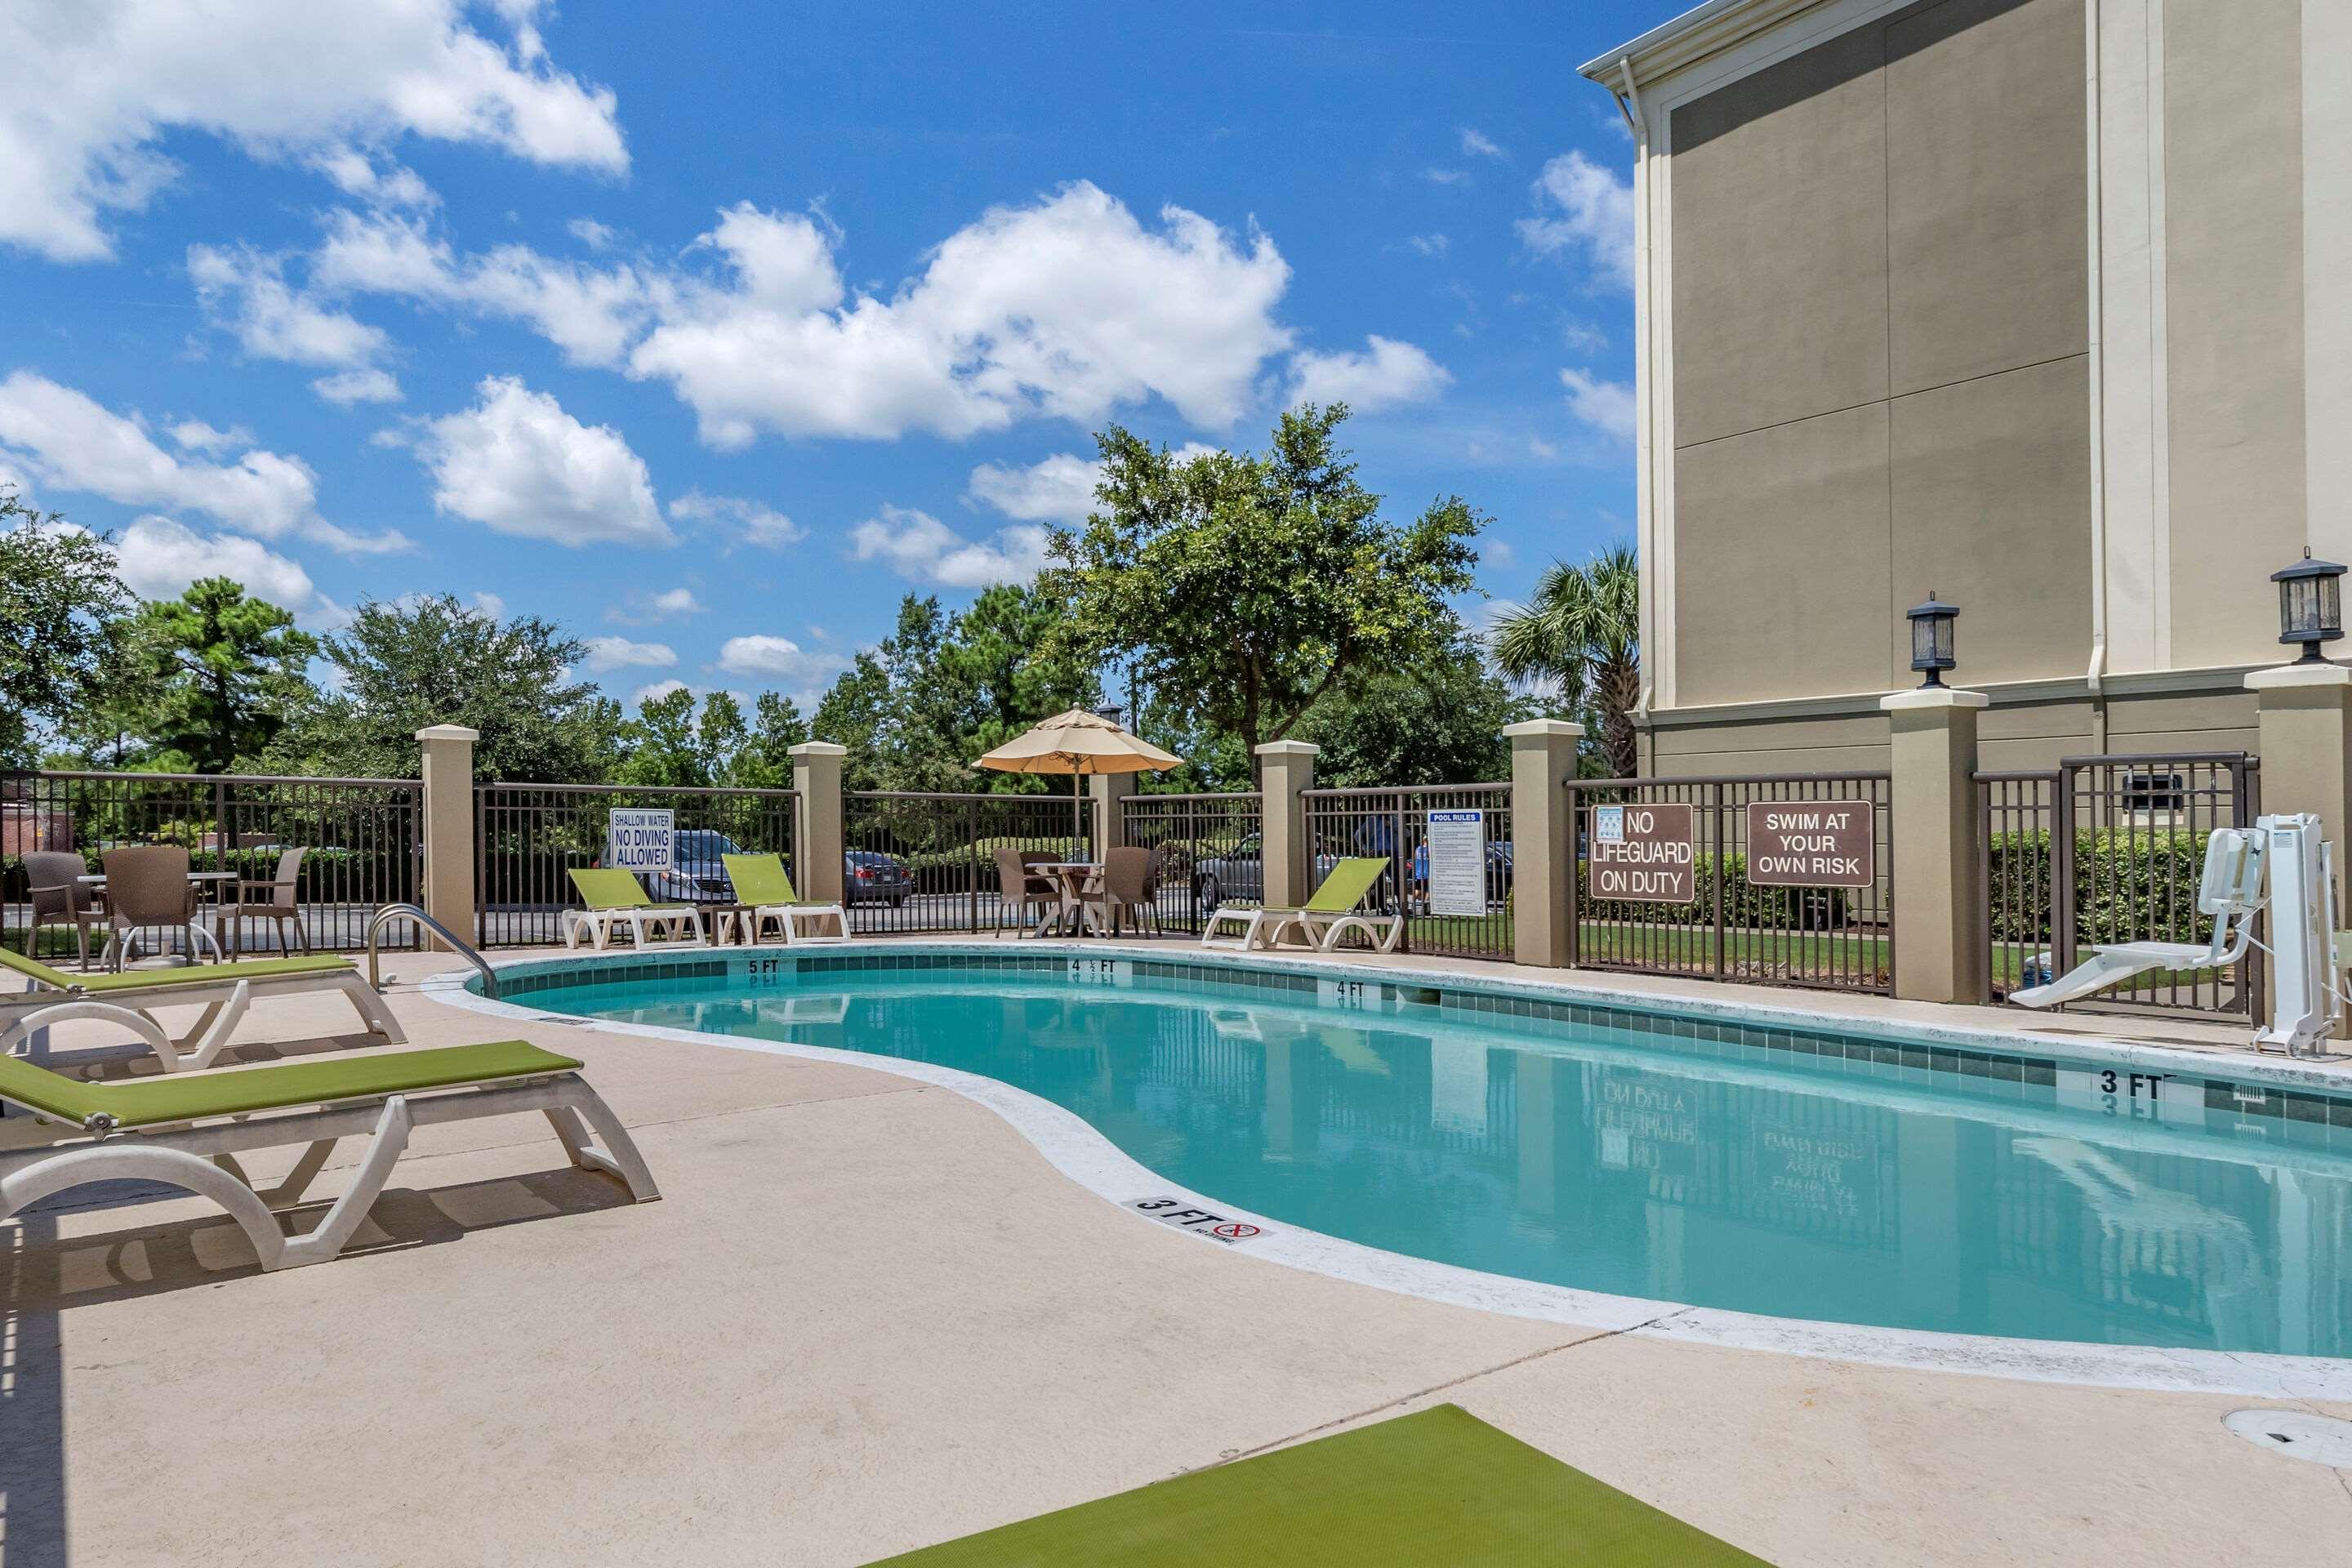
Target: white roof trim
1692, 37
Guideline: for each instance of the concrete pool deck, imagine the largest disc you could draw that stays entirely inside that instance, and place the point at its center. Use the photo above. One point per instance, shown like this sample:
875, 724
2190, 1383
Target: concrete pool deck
868, 1315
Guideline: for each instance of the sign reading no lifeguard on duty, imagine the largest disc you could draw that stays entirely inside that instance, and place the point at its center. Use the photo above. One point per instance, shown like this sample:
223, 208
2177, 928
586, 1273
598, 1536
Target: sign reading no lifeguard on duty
640, 840
1642, 853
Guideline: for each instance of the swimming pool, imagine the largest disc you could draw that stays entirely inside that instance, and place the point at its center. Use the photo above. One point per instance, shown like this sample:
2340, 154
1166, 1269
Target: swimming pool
1765, 1168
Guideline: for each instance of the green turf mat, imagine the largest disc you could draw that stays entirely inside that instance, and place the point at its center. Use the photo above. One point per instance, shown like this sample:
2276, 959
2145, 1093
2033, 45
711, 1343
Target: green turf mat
1438, 1488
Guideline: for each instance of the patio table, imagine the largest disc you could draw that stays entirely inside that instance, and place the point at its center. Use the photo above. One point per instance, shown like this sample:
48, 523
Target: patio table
1073, 880
220, 901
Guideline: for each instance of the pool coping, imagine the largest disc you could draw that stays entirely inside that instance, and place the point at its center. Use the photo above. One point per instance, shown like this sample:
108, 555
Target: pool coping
1073, 1147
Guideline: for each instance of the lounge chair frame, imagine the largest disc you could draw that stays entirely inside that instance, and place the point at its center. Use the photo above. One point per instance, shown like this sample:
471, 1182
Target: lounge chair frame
1318, 928
647, 921
224, 998
202, 1158
787, 915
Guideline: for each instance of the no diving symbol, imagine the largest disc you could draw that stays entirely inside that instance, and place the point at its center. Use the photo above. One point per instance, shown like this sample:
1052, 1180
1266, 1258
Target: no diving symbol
1234, 1230
1199, 1221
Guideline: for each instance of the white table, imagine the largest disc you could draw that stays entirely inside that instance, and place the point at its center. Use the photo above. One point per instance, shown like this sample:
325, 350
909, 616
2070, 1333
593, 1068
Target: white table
172, 959
1075, 880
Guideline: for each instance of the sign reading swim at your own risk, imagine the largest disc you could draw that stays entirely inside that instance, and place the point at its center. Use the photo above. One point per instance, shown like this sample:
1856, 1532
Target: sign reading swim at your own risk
640, 840
1810, 844
1648, 854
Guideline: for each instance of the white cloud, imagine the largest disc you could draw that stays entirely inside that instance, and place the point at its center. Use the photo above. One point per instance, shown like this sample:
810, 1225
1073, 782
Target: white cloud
921, 547
518, 463
608, 654
346, 388
383, 183
677, 602
1583, 209
245, 293
490, 604
1068, 308
1389, 373
645, 694
1478, 144
159, 557
1583, 337
1428, 244
1606, 405
62, 438
195, 436
756, 524
103, 82
590, 233
782, 664
1061, 489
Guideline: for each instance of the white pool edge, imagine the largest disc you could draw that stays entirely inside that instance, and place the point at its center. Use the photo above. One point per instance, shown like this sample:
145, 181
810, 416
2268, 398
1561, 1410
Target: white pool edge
1072, 1146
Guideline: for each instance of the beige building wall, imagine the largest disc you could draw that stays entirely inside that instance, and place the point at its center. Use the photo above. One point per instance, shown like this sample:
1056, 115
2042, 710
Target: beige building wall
2012, 299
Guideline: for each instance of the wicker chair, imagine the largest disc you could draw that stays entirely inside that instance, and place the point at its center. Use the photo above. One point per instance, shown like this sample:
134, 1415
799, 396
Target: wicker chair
61, 898
1131, 878
275, 900
1019, 888
146, 888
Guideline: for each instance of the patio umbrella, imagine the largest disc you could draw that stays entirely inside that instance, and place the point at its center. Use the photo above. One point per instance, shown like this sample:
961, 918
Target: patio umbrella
1078, 742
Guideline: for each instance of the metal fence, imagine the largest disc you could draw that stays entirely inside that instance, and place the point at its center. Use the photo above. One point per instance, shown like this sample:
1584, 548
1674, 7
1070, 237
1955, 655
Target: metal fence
364, 840
1731, 926
1395, 822
2109, 850
927, 862
1208, 848
528, 835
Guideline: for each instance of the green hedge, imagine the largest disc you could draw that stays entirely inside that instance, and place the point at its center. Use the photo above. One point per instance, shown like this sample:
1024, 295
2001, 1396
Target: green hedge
2128, 886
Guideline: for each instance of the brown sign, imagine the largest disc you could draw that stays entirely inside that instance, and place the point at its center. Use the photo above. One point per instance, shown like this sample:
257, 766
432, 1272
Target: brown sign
1810, 844
1642, 853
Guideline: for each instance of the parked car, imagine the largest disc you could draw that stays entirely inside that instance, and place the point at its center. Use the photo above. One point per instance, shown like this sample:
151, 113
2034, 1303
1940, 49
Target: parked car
698, 876
1240, 873
870, 877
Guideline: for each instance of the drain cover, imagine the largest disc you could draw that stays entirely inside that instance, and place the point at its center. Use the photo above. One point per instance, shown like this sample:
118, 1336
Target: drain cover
2297, 1433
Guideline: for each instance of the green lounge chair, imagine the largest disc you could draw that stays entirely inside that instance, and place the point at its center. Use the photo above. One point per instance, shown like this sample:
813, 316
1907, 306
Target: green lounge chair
1319, 923
615, 898
186, 1130
222, 990
762, 884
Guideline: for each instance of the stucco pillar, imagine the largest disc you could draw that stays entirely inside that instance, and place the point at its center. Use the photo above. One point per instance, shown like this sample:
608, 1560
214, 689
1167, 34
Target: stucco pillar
1109, 804
1940, 910
1543, 840
817, 775
2306, 741
1285, 771
448, 775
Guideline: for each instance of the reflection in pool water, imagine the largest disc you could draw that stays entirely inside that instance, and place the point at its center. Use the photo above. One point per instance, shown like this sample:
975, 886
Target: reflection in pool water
1635, 1162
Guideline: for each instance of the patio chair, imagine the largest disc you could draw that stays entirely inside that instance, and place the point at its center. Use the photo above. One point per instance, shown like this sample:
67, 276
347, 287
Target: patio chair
59, 897
279, 902
762, 882
1321, 920
222, 990
1021, 889
147, 887
1131, 885
614, 898
186, 1131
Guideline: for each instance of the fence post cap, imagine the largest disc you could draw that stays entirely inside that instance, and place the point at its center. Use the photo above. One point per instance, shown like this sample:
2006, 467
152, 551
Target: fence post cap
817, 749
1290, 749
2287, 675
1933, 697
447, 732
1544, 727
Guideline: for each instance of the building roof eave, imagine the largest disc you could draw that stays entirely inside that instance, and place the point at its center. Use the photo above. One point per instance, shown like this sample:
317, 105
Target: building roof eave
1704, 30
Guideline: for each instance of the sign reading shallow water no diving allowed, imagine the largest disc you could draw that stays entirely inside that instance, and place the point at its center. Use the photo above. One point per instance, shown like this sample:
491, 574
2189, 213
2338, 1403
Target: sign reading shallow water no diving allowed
1646, 854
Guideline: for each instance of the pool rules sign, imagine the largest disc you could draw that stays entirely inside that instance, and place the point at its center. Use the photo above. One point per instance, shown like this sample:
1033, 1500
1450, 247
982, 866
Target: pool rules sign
1646, 854
1810, 844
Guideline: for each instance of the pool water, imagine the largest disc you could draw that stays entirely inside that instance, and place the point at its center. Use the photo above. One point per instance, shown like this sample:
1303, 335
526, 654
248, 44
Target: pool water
1632, 1159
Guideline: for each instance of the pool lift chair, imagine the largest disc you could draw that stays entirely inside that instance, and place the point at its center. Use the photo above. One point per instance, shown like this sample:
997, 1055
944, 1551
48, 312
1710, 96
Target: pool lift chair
2280, 863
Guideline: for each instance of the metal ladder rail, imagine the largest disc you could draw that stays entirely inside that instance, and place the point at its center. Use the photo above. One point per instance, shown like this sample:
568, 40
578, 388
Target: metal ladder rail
464, 949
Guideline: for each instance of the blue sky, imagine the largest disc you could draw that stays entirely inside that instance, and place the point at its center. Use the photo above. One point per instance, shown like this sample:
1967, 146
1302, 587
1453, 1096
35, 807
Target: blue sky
708, 331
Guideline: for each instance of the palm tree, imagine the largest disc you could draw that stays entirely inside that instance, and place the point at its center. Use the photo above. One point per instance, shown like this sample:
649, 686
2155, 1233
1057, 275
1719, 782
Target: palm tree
1582, 630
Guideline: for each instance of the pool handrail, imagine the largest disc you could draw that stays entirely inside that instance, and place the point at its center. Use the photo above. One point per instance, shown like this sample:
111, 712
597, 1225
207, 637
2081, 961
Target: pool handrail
457, 944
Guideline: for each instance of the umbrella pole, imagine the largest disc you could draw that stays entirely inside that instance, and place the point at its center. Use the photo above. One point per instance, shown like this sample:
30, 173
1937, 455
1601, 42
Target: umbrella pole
1078, 812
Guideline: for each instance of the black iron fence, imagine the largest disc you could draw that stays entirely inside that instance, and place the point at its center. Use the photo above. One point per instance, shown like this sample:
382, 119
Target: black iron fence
927, 862
1395, 824
1682, 889
362, 841
1208, 846
2112, 849
527, 836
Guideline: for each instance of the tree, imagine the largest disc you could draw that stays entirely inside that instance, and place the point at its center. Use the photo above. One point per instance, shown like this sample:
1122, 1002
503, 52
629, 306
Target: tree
764, 760
1582, 631
222, 672
406, 664
664, 748
61, 602
1439, 722
1246, 587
